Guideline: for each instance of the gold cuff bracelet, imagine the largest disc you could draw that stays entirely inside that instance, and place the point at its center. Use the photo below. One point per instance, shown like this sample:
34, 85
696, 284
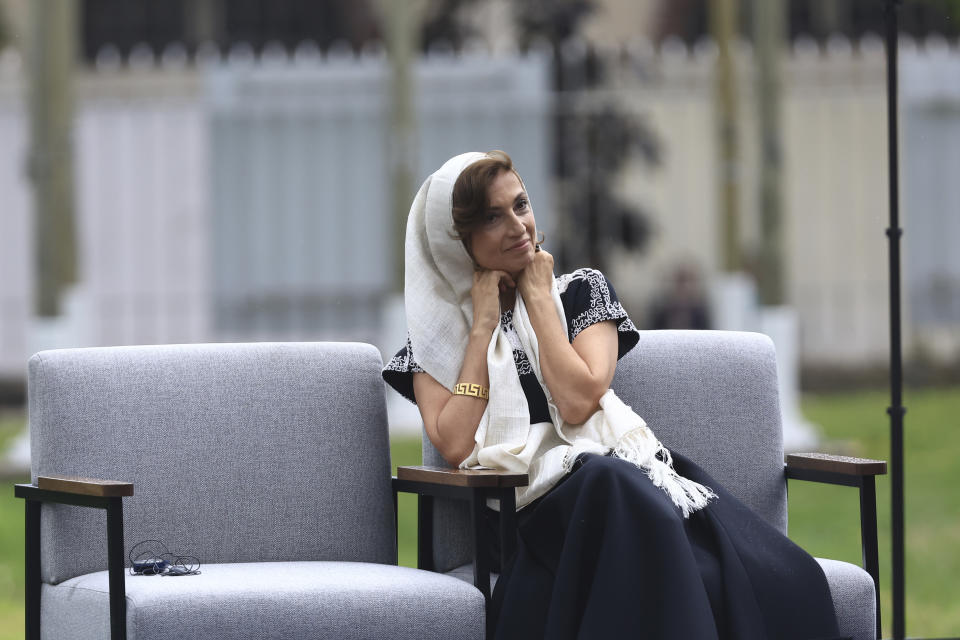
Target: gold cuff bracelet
471, 389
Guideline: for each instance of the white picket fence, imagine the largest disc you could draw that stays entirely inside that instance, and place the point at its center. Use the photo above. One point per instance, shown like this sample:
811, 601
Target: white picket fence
247, 198
303, 241
835, 202
16, 273
931, 143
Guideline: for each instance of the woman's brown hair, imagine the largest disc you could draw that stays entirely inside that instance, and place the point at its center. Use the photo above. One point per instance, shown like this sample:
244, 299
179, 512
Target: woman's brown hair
470, 201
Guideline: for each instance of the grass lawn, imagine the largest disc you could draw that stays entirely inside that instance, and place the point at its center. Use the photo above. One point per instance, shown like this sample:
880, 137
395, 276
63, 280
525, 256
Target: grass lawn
11, 540
824, 520
406, 451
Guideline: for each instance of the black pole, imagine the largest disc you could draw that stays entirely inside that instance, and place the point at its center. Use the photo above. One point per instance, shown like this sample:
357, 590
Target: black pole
896, 409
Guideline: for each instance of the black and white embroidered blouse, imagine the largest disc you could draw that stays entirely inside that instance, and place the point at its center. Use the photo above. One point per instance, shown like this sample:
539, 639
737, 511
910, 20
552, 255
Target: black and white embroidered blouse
587, 297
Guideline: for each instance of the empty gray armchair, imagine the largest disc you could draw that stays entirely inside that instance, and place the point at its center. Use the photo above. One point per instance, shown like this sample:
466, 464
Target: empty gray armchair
713, 396
269, 463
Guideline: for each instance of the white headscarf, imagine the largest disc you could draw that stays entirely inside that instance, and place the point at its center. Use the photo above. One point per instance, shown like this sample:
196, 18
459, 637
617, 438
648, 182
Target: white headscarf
439, 310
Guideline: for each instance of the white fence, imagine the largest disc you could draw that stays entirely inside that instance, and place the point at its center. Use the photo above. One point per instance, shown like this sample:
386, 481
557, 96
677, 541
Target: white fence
834, 186
16, 273
143, 212
931, 108
249, 199
303, 242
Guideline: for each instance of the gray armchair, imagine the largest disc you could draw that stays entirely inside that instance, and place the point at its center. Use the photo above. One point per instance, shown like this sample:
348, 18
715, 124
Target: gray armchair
713, 396
268, 462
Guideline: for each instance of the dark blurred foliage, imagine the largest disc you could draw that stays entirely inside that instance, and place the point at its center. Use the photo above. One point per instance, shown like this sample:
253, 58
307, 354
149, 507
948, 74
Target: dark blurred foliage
553, 20
124, 23
689, 19
4, 29
292, 21
442, 22
591, 145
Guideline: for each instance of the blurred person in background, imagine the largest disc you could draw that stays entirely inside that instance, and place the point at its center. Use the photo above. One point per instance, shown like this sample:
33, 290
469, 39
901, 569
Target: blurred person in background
682, 305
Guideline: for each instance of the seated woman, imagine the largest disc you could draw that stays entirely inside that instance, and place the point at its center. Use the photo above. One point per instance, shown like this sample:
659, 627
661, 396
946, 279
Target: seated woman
511, 368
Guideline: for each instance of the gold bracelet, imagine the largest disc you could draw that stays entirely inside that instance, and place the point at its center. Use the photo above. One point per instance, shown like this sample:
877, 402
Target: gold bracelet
471, 389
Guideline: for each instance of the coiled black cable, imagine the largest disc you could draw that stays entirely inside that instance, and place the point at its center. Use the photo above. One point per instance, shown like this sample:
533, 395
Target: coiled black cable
152, 558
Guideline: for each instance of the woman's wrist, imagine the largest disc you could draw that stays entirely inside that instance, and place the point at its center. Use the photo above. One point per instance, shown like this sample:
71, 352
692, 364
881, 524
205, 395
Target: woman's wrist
482, 331
538, 298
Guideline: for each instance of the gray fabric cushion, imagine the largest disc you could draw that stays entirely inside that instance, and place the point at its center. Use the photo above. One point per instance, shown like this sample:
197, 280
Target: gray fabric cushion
237, 452
853, 598
712, 395
303, 600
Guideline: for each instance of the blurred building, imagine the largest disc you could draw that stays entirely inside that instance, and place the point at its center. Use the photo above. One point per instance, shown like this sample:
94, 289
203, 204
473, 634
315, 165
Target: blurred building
233, 164
245, 194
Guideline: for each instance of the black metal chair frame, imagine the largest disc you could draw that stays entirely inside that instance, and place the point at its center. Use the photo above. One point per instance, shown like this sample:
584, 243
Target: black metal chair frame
481, 487
113, 505
476, 488
849, 472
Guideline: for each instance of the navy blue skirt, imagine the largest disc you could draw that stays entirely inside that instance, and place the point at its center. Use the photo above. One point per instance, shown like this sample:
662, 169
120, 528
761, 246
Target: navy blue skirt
606, 554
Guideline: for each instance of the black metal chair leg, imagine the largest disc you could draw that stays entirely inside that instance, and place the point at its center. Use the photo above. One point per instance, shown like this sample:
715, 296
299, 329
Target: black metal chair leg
32, 568
425, 532
481, 547
396, 528
508, 525
115, 570
868, 537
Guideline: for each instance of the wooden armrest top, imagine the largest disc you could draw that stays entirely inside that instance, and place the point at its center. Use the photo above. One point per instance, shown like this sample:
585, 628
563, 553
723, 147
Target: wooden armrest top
463, 477
837, 464
85, 486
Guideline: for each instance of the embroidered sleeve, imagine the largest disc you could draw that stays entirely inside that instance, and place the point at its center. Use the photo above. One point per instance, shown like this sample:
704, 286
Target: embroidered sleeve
398, 373
589, 298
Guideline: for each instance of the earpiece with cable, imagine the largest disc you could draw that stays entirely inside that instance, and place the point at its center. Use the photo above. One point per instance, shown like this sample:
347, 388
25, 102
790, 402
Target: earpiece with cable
152, 558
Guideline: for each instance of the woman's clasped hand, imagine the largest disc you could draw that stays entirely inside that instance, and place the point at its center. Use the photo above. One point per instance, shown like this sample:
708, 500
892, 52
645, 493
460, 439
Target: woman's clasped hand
535, 281
487, 288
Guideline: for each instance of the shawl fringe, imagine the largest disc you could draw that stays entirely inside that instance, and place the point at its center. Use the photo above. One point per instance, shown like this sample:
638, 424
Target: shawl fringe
640, 447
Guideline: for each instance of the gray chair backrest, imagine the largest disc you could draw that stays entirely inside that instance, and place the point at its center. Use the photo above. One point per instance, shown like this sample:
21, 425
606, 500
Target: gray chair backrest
711, 395
237, 452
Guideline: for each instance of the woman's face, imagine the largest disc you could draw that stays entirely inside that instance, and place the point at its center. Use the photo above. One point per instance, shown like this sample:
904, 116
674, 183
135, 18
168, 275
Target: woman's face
505, 239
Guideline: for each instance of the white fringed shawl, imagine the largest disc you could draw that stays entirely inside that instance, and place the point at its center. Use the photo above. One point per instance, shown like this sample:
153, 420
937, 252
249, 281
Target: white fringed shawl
439, 310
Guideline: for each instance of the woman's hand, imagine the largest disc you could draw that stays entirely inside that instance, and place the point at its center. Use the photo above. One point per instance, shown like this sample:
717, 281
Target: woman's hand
537, 278
485, 292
